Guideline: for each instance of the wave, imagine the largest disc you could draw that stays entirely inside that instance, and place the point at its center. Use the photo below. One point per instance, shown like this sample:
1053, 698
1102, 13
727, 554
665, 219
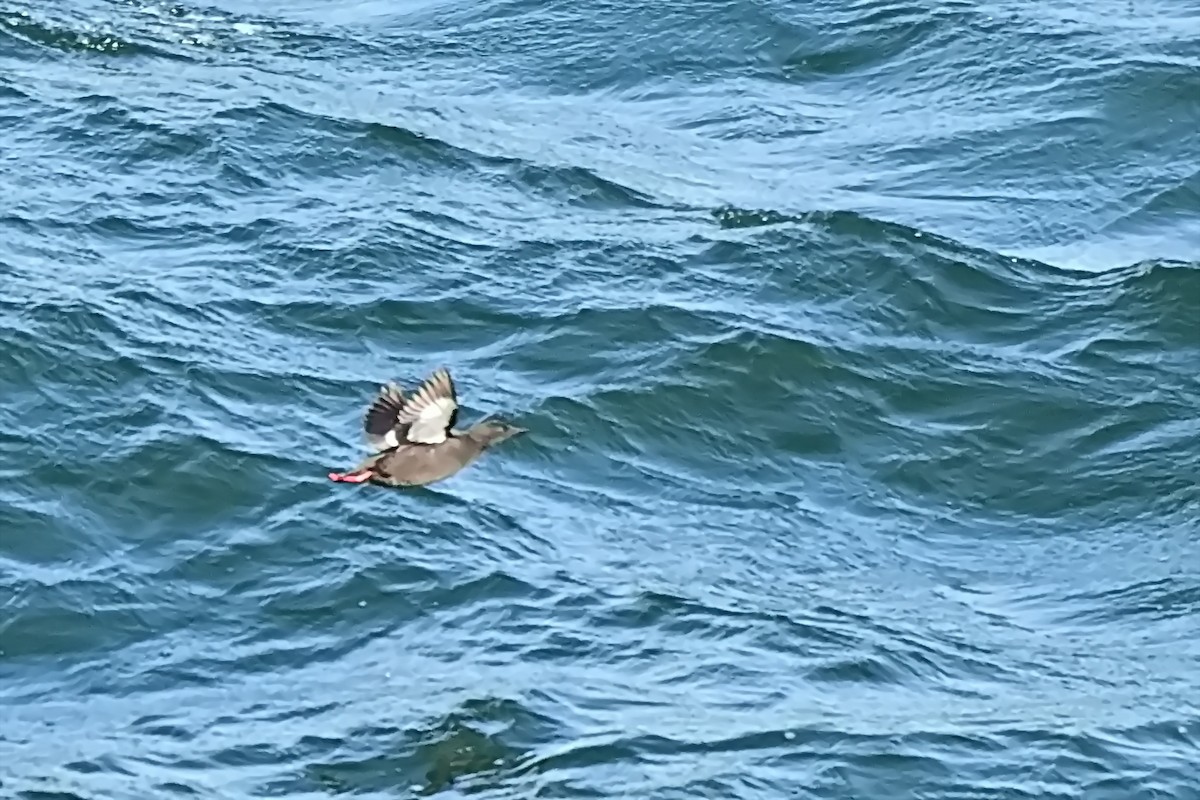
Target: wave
72, 36
827, 485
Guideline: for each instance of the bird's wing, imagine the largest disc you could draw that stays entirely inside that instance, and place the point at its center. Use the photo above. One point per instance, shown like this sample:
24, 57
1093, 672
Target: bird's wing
381, 422
431, 411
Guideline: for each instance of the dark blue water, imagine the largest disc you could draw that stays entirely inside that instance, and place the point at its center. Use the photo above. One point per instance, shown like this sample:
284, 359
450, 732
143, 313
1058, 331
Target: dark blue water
858, 343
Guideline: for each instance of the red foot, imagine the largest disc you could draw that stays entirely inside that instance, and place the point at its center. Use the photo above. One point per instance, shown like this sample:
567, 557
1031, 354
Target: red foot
351, 477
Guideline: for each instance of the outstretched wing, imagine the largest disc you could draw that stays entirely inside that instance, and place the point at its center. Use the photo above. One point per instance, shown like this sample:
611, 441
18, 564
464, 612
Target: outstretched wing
431, 411
380, 423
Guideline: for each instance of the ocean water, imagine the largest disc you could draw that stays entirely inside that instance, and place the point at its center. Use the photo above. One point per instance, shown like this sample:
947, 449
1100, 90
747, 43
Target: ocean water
859, 345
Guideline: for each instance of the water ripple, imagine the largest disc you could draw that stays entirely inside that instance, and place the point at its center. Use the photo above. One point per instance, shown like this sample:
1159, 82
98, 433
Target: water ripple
857, 346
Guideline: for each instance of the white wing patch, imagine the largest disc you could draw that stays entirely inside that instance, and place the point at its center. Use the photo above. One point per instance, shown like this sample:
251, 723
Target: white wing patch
431, 410
379, 423
430, 425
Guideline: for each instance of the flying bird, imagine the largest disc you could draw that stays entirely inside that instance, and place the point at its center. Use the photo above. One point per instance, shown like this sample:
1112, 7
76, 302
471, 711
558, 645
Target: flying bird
414, 437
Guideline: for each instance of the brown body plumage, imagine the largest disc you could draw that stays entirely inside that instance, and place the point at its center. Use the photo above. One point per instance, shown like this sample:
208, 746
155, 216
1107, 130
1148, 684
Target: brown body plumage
415, 438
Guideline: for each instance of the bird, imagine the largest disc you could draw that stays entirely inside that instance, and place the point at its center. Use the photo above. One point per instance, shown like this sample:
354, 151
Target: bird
414, 437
